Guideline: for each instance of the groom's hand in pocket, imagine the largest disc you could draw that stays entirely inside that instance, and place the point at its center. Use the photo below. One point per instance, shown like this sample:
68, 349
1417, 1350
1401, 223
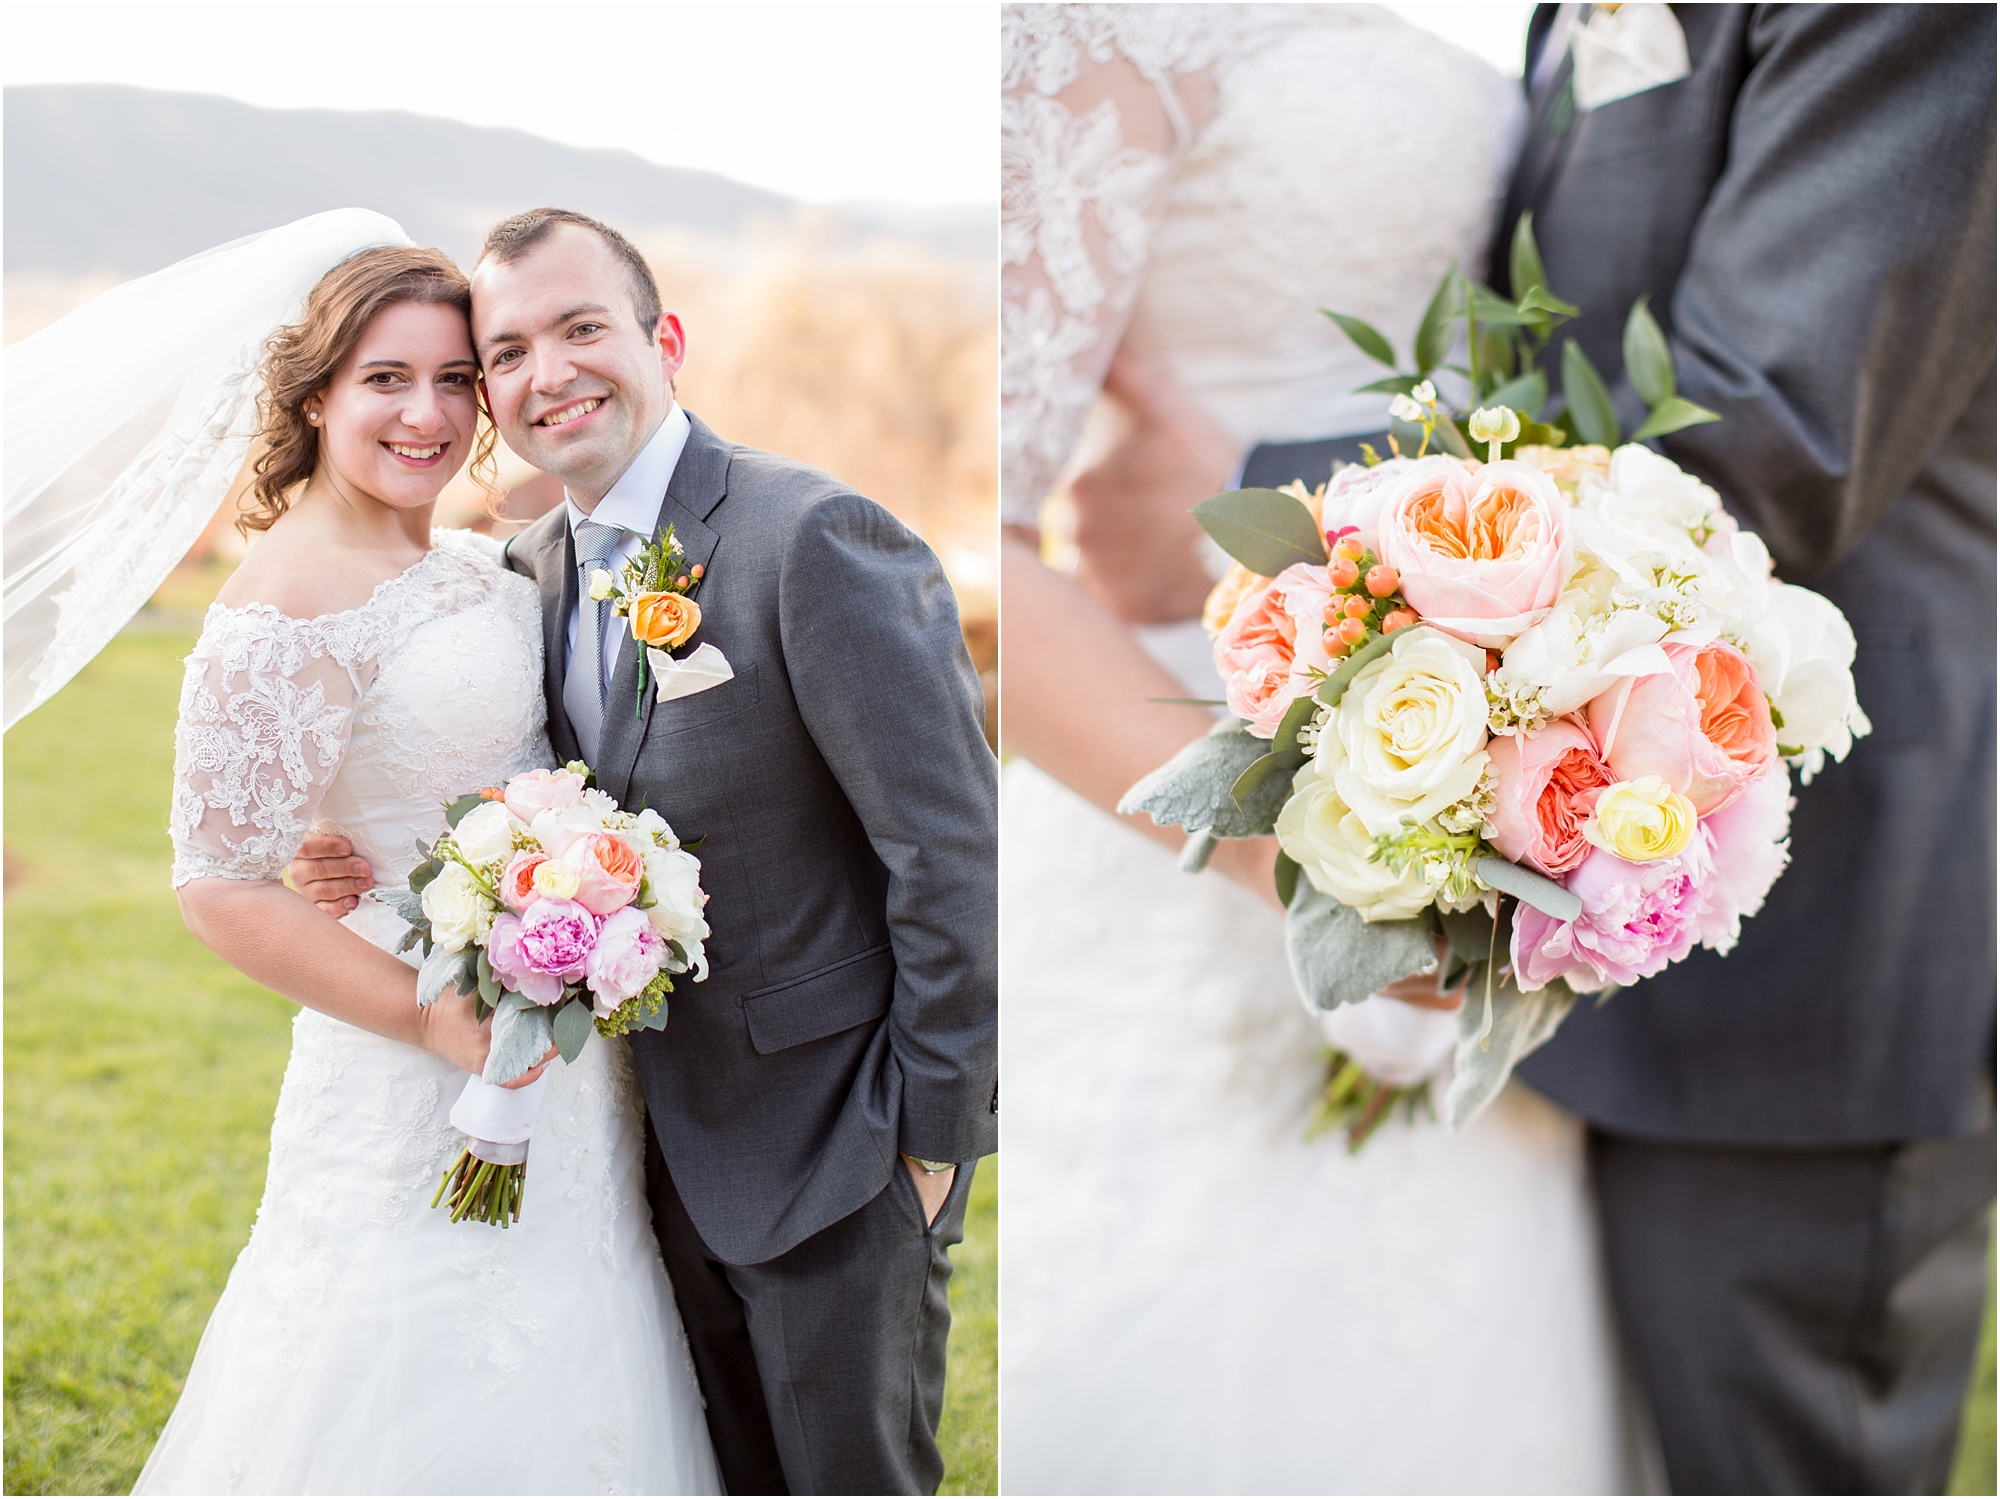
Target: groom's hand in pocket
931, 1189
327, 872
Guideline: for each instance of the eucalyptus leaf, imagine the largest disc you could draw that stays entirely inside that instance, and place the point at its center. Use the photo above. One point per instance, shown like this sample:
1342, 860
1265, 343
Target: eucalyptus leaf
1526, 394
1264, 529
1331, 689
1252, 778
1366, 339
444, 971
1434, 329
1451, 439
1590, 408
1524, 884
657, 1021
1524, 258
1671, 415
1338, 958
521, 1038
1285, 876
455, 813
1285, 743
1192, 790
1648, 361
571, 1028
1489, 1045
424, 873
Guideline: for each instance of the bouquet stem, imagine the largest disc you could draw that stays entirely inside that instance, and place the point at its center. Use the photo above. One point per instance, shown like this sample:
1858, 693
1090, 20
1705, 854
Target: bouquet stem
1356, 1104
483, 1191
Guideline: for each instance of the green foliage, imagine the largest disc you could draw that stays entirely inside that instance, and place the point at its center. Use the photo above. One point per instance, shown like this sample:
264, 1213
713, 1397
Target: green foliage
1335, 686
1366, 339
1193, 790
1266, 530
1648, 363
1339, 958
1590, 412
158, 1113
1671, 415
571, 1028
1524, 259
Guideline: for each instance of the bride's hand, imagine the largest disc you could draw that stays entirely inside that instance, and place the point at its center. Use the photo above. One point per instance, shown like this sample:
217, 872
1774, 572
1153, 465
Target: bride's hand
451, 1031
327, 872
1136, 542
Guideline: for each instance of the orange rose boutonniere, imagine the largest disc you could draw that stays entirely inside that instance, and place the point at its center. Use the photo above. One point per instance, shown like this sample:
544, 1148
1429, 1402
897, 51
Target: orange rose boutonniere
651, 591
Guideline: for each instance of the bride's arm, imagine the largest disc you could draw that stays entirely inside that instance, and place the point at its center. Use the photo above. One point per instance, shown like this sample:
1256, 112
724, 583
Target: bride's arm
264, 724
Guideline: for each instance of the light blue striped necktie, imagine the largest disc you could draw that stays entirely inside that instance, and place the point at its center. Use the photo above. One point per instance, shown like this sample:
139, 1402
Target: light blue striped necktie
584, 687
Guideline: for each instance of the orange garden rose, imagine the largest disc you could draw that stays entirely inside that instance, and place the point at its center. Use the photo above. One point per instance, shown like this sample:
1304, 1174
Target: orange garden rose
664, 619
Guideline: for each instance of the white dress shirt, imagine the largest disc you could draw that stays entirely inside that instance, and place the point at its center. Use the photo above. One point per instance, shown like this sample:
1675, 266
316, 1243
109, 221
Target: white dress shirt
632, 503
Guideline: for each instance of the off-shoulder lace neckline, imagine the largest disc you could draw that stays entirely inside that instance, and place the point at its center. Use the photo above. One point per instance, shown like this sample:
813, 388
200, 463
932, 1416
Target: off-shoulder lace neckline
439, 544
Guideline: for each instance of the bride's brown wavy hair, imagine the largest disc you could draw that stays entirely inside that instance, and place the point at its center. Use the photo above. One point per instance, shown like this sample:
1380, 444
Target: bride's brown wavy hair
301, 358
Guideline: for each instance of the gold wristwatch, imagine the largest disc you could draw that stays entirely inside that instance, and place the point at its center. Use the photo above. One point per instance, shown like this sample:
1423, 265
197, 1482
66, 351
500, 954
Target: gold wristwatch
932, 1168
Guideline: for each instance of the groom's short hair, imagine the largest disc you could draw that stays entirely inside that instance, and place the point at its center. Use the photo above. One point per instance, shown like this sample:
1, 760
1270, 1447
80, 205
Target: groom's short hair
510, 239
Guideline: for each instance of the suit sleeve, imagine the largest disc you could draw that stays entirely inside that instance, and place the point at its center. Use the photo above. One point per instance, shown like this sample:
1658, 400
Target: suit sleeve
1837, 303
883, 682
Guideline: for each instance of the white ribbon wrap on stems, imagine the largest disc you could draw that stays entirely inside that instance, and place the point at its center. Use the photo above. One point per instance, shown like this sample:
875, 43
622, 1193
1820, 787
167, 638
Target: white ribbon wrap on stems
498, 1122
703, 667
1397, 1043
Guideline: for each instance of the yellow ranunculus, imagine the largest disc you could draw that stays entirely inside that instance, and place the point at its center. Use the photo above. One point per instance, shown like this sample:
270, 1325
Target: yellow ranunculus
1641, 821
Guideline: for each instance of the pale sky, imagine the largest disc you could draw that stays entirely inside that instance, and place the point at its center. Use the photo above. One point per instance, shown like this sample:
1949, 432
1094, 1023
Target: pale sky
823, 102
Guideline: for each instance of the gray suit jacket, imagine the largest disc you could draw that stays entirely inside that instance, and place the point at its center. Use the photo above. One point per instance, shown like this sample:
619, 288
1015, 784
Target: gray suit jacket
848, 800
1812, 211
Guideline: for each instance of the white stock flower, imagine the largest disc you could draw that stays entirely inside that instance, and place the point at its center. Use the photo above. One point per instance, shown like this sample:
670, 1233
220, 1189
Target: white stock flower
486, 833
1558, 665
673, 877
1412, 730
455, 905
1405, 409
650, 825
556, 831
1803, 650
1425, 392
1332, 846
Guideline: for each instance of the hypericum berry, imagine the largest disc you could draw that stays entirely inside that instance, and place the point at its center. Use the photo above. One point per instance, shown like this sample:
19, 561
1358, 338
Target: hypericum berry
1357, 607
1382, 580
1397, 619
1352, 632
1342, 571
1330, 638
1348, 547
697, 570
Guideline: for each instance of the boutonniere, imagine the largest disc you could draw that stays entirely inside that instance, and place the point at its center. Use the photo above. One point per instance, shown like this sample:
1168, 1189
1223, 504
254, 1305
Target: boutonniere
652, 593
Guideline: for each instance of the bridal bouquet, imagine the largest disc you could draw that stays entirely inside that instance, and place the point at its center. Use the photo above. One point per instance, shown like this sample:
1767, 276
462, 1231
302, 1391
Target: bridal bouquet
1522, 717
568, 915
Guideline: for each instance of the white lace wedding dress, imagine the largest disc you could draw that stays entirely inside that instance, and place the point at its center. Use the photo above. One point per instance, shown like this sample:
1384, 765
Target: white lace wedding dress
364, 1343
1194, 1297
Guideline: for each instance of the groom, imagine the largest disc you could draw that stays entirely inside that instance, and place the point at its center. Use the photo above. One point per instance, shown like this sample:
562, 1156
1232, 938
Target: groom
1792, 1148
817, 1105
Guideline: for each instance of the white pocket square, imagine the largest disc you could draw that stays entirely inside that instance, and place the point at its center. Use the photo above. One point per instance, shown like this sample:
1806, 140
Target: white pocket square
703, 667
1625, 50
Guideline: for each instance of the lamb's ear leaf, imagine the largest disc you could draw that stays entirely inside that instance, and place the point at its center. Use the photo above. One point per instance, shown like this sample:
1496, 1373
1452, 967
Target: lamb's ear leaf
521, 1038
445, 970
1671, 415
1494, 1032
571, 1028
1192, 790
1648, 362
1525, 884
1590, 409
1366, 339
1338, 958
1266, 530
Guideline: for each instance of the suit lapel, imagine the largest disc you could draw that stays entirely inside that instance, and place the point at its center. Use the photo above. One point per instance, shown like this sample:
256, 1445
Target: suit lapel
551, 554
699, 481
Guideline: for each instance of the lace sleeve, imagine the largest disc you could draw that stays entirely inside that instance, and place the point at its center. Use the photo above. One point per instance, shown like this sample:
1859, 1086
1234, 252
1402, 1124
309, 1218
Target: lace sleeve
266, 708
1095, 114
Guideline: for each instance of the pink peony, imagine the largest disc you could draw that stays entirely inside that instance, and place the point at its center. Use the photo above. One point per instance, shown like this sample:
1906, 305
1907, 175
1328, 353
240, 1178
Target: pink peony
628, 953
1704, 728
543, 791
1266, 651
1747, 840
1548, 785
510, 962
608, 872
556, 938
1482, 553
1637, 918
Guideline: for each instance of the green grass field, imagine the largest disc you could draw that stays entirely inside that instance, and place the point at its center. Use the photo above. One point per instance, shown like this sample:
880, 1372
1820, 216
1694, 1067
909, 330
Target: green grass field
141, 1073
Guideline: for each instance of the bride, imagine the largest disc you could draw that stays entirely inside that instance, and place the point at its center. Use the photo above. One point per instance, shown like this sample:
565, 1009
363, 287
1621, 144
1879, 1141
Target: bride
1195, 1297
361, 669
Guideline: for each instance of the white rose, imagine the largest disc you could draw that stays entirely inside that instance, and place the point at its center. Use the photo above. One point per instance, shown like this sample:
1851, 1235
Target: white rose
556, 831
1803, 650
455, 905
486, 833
1412, 726
1332, 844
673, 877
